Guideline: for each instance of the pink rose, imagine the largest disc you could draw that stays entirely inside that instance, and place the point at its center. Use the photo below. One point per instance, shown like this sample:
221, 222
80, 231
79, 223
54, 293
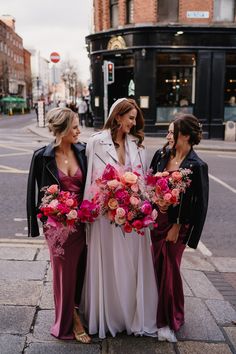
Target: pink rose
52, 189
130, 177
69, 202
113, 183
175, 192
127, 228
72, 215
53, 204
134, 201
112, 203
137, 224
176, 175
120, 212
167, 197
119, 221
134, 188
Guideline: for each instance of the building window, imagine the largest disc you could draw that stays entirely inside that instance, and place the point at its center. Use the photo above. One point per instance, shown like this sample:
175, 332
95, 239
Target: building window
230, 88
114, 13
224, 10
168, 10
176, 78
129, 11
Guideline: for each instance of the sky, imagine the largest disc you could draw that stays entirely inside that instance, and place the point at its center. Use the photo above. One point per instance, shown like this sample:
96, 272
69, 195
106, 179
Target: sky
50, 25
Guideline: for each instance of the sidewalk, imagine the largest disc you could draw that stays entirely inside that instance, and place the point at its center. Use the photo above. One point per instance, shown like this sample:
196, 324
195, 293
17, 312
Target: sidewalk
26, 300
26, 307
206, 144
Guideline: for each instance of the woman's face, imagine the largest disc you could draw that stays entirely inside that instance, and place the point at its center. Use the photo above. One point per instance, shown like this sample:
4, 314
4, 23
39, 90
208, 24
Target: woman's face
127, 121
181, 141
73, 133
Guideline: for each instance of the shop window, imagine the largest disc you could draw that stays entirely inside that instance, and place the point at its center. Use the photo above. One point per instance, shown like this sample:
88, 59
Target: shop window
176, 78
230, 88
224, 10
129, 11
168, 10
114, 13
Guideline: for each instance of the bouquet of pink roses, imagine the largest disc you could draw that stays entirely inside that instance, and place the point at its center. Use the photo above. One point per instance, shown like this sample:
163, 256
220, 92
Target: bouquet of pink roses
164, 188
120, 197
60, 213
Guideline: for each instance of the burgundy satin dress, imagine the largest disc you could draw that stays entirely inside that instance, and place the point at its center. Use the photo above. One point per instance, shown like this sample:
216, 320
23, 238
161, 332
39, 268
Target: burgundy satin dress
68, 271
167, 259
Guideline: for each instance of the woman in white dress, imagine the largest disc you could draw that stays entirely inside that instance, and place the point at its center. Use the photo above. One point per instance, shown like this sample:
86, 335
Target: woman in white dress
120, 291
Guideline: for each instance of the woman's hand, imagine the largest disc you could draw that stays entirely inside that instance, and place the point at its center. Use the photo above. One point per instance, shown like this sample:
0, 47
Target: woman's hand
173, 233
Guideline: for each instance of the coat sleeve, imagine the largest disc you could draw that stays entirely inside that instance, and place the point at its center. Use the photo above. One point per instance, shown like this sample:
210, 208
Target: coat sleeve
155, 161
199, 212
33, 228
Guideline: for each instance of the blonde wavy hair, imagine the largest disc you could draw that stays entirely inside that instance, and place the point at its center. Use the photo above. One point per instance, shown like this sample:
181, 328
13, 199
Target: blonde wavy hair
59, 122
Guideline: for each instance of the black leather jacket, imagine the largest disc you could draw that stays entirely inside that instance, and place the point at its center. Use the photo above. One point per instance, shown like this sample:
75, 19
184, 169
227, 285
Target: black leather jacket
192, 209
43, 172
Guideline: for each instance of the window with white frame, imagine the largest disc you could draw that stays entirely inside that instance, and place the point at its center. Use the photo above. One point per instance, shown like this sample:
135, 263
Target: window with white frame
129, 11
224, 10
114, 13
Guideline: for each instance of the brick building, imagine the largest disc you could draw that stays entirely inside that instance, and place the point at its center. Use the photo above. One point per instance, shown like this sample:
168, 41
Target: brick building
171, 55
15, 70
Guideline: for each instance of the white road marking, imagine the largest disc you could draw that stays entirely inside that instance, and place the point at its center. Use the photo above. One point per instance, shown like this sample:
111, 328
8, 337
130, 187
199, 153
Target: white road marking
16, 154
20, 235
222, 183
227, 156
204, 250
20, 219
14, 148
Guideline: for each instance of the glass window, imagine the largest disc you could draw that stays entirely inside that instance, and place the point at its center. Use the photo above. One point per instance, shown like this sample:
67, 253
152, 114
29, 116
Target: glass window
129, 11
114, 13
224, 10
230, 88
168, 10
176, 78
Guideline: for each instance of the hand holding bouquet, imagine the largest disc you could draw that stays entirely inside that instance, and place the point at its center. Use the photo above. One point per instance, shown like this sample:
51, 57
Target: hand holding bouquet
120, 197
164, 188
60, 213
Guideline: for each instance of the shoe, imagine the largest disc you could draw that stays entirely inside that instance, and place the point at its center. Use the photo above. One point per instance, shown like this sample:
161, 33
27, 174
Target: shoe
82, 337
166, 334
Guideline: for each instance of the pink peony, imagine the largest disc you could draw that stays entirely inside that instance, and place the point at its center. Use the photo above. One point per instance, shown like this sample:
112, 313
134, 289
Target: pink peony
70, 202
167, 197
146, 208
176, 175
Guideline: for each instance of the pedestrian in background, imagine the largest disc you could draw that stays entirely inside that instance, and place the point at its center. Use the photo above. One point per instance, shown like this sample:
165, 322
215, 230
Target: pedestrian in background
178, 225
82, 111
62, 162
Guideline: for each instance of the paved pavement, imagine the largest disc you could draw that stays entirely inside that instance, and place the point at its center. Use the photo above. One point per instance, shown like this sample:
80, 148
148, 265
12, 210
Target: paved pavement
26, 301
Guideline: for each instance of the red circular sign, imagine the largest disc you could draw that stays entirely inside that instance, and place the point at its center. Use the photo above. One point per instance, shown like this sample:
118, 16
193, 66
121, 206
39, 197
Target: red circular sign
54, 57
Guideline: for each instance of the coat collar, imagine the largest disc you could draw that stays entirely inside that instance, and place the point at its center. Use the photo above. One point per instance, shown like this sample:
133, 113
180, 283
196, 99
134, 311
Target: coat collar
106, 140
190, 157
50, 154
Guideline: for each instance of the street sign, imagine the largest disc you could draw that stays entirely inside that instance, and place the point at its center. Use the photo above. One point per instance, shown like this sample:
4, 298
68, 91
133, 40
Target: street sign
54, 57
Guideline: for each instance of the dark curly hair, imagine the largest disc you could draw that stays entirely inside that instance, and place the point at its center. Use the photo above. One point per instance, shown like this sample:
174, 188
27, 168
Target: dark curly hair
186, 124
121, 109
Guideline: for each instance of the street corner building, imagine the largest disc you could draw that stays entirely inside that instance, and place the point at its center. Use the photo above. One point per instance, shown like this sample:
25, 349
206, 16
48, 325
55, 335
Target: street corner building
171, 56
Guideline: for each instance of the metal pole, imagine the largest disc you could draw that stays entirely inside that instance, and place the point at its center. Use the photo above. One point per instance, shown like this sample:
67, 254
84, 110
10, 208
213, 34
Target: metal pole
105, 97
54, 85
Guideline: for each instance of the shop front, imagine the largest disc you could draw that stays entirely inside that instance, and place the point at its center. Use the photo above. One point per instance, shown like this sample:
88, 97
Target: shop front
168, 70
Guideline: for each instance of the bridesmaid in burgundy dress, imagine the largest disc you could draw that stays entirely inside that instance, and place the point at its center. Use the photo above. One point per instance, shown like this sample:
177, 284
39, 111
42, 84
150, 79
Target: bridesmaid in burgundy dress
179, 225
63, 163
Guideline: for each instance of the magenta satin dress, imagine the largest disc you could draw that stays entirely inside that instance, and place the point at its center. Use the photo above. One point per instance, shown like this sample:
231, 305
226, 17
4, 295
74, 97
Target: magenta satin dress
68, 271
167, 259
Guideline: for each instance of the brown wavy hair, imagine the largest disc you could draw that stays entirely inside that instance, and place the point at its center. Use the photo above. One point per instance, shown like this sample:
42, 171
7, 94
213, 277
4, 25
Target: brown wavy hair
121, 109
186, 124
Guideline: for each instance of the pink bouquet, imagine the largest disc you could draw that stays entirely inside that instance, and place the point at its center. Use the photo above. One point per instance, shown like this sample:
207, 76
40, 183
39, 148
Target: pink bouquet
60, 213
120, 197
164, 188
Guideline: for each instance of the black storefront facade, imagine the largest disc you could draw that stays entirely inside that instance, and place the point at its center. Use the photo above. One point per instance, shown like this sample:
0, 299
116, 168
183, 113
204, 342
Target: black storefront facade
168, 70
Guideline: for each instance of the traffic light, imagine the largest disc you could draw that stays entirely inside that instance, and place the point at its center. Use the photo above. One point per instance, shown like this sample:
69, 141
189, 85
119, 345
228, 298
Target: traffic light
109, 70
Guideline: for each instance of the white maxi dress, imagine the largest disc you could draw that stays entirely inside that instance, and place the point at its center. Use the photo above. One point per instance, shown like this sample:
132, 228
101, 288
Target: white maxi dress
119, 292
